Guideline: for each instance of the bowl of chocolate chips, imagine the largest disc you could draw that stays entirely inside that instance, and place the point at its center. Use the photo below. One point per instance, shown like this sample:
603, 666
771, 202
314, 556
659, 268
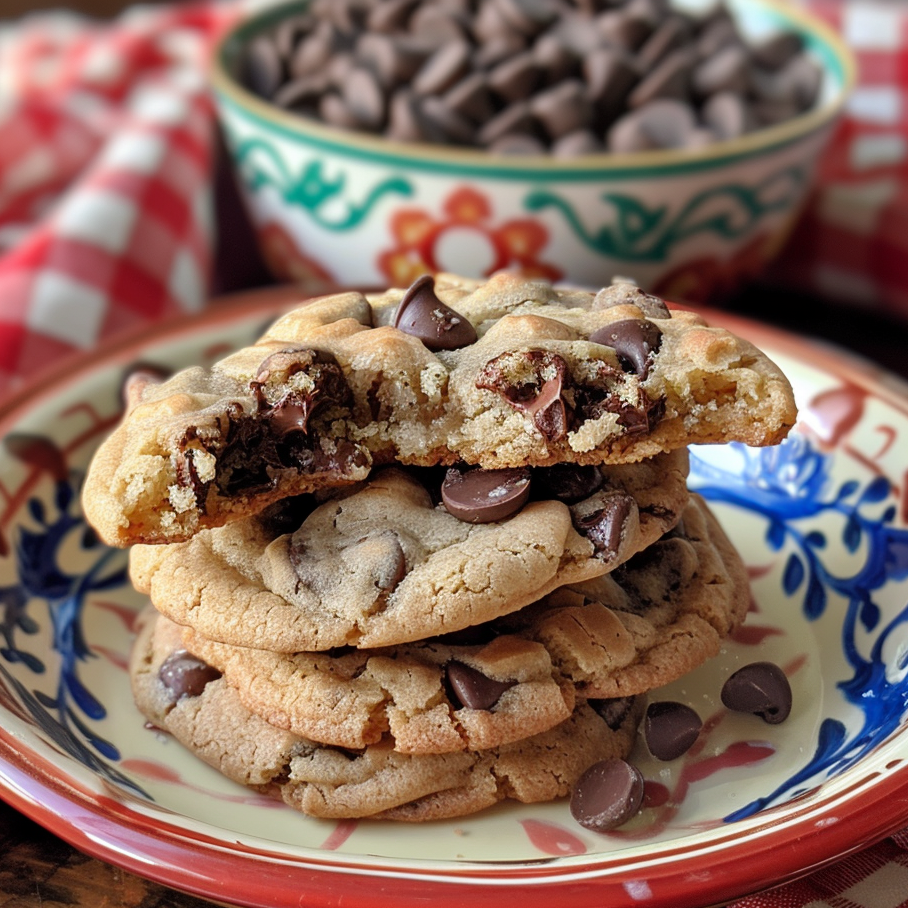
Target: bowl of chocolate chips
673, 143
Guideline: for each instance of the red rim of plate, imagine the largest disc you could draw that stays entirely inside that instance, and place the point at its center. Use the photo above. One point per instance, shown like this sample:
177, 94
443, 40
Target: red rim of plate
790, 841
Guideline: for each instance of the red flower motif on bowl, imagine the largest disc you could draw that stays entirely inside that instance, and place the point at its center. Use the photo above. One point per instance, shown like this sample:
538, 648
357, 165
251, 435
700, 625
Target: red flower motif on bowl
464, 239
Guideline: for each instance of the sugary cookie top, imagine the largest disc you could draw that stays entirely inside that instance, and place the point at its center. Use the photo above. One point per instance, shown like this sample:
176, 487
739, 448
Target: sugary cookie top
504, 373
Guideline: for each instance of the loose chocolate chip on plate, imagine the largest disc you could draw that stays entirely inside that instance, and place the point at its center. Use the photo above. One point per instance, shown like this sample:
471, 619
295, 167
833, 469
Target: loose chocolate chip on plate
607, 795
760, 688
670, 729
635, 340
472, 688
422, 314
484, 496
186, 676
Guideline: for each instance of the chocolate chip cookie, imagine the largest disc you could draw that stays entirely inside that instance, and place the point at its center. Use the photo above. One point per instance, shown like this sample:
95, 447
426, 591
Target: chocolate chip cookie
187, 698
513, 677
386, 564
506, 373
672, 605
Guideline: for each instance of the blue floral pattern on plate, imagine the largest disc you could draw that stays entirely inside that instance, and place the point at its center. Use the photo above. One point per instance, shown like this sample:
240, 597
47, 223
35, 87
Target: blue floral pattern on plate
820, 522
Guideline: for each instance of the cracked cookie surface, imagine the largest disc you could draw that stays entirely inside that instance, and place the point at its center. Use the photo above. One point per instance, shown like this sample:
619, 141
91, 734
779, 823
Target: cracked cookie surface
672, 605
657, 616
385, 564
192, 703
544, 376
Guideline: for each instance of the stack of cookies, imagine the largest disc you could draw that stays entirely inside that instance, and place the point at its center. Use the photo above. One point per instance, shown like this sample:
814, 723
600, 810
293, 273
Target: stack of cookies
416, 552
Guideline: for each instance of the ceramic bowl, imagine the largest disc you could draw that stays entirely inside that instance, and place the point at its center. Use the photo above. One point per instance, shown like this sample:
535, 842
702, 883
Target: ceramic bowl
336, 207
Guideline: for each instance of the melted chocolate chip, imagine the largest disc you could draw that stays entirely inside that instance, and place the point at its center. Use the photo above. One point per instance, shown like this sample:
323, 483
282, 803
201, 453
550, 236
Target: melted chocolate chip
760, 688
473, 689
392, 567
604, 527
277, 434
635, 340
613, 710
484, 496
670, 729
186, 676
531, 382
567, 482
287, 514
422, 314
607, 795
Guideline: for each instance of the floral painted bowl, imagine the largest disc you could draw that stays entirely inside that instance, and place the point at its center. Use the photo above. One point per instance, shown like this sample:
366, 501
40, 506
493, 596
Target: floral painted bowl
336, 207
821, 522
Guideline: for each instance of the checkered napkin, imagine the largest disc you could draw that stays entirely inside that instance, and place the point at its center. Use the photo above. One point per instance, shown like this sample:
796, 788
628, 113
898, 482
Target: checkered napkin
106, 175
852, 246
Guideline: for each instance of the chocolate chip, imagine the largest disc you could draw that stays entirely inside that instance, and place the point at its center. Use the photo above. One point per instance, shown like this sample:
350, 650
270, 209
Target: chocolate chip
364, 98
726, 70
554, 59
515, 119
184, 675
613, 710
607, 795
484, 496
390, 15
636, 341
563, 108
777, 50
334, 111
471, 99
670, 729
575, 144
510, 68
622, 30
669, 36
264, 70
604, 522
664, 123
728, 115
610, 74
444, 69
516, 78
422, 314
567, 482
529, 17
670, 78
444, 125
531, 382
760, 688
473, 689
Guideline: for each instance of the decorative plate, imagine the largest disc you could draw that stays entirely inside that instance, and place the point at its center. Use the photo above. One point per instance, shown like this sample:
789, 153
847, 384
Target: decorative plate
822, 523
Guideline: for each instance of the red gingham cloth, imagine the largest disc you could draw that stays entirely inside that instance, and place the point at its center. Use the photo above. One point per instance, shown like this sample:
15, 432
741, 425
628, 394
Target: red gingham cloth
106, 221
852, 245
105, 177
